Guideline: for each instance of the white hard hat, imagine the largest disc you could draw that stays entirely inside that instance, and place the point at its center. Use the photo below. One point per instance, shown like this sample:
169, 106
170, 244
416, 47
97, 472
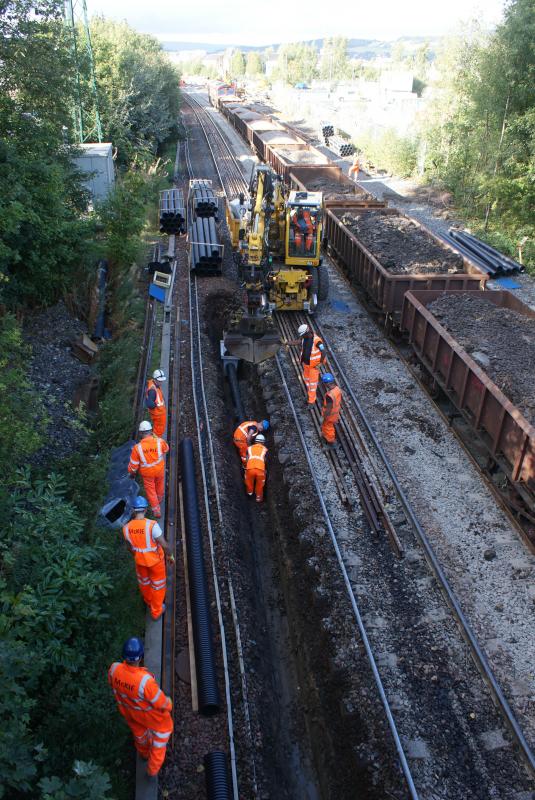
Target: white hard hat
145, 426
260, 437
159, 375
302, 329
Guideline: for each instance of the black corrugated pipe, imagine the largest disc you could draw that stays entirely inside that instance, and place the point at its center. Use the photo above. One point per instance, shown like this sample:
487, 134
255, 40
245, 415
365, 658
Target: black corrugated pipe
217, 778
232, 375
207, 689
102, 273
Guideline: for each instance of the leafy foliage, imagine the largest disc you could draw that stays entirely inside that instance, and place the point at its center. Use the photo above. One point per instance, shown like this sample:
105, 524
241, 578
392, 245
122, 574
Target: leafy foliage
19, 402
138, 89
481, 128
296, 63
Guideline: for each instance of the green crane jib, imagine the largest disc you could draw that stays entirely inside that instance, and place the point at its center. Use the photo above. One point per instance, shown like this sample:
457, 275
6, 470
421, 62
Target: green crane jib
86, 120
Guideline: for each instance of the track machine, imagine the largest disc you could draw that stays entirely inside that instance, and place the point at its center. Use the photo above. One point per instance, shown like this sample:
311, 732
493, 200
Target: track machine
276, 238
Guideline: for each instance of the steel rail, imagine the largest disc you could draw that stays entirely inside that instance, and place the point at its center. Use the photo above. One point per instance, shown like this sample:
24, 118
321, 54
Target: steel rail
353, 600
215, 484
450, 596
236, 183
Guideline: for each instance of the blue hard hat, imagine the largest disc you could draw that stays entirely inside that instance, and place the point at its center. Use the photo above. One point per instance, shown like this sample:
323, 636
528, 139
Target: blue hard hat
133, 649
327, 377
139, 503
265, 424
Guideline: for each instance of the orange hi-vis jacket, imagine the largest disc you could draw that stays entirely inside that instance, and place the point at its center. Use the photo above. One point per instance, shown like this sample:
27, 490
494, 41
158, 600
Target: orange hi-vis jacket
138, 695
256, 457
160, 402
240, 434
332, 403
146, 550
310, 351
148, 456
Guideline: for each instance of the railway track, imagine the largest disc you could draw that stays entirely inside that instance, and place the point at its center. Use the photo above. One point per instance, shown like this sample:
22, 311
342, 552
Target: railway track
356, 437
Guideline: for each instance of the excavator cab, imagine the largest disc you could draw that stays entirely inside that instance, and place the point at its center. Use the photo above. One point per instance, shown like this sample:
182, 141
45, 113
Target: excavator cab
303, 229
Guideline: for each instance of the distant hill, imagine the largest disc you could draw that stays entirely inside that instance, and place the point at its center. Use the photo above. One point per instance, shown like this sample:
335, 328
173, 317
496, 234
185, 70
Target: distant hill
357, 48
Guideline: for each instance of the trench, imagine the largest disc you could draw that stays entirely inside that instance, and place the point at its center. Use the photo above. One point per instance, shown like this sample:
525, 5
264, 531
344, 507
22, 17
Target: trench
309, 743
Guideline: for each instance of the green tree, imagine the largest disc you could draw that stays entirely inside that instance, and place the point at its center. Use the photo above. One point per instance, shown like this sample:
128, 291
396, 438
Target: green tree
481, 128
335, 64
237, 64
138, 89
254, 64
296, 63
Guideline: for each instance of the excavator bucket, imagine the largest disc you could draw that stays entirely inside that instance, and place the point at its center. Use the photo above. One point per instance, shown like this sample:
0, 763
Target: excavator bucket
254, 340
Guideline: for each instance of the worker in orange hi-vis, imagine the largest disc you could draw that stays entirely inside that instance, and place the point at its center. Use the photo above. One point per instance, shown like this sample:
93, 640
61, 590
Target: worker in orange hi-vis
146, 709
332, 403
255, 468
245, 434
149, 458
312, 355
145, 539
354, 169
154, 401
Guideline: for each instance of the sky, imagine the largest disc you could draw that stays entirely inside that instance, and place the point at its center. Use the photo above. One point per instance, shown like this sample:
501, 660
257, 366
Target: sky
259, 23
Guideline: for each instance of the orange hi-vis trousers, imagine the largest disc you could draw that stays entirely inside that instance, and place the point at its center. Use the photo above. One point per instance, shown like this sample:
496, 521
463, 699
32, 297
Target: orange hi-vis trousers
255, 480
152, 584
149, 742
311, 377
158, 418
328, 431
154, 486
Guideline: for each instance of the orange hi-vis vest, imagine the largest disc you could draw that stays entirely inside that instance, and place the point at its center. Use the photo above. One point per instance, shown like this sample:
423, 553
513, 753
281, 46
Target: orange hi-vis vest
159, 394
331, 411
240, 434
137, 692
138, 534
315, 353
148, 456
256, 456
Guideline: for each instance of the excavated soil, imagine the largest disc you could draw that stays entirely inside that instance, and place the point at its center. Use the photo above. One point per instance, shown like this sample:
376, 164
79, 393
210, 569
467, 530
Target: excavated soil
298, 156
400, 245
500, 340
333, 190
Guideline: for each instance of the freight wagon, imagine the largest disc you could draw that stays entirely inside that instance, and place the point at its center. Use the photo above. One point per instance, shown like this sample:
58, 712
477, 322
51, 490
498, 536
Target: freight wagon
335, 186
506, 433
383, 287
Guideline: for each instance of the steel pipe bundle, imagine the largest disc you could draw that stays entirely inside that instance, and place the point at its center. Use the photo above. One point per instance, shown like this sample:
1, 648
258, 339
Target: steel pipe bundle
207, 688
340, 146
327, 130
205, 251
202, 198
485, 256
216, 773
172, 211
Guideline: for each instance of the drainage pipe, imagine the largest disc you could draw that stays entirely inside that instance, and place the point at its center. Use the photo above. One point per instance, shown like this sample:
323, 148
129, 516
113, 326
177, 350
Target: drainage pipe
216, 772
207, 688
232, 375
102, 273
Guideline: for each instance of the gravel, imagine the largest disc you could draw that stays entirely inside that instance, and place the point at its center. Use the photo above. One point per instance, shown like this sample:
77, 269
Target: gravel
56, 374
500, 339
400, 245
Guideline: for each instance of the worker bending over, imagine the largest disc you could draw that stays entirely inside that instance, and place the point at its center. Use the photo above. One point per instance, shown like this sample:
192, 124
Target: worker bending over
145, 539
245, 434
149, 458
142, 703
154, 401
255, 468
312, 355
332, 403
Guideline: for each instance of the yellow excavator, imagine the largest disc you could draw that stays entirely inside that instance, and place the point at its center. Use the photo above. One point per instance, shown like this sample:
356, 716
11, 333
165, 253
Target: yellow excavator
276, 238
